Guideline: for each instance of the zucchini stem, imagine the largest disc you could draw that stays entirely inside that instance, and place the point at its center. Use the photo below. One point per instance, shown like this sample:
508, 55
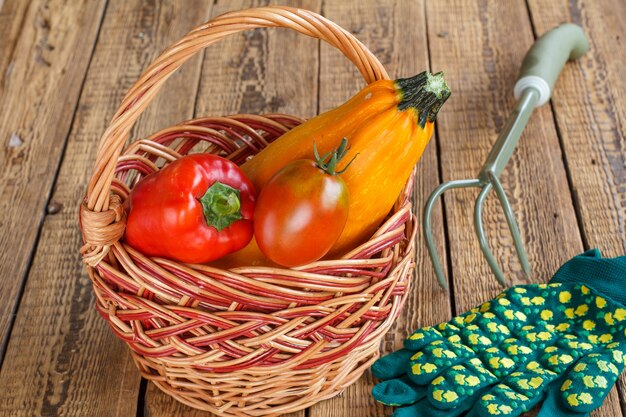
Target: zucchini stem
425, 92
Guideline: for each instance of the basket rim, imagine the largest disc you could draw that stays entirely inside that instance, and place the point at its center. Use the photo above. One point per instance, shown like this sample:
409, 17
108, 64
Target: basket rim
357, 256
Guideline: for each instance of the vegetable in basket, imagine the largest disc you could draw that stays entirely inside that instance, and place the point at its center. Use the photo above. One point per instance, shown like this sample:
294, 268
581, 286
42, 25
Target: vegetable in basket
196, 209
303, 209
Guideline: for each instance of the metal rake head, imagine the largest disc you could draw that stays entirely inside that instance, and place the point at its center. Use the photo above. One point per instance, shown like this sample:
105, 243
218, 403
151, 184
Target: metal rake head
491, 182
488, 179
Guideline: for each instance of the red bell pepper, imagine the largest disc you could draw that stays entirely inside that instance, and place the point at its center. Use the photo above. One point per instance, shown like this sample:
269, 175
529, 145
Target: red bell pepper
196, 209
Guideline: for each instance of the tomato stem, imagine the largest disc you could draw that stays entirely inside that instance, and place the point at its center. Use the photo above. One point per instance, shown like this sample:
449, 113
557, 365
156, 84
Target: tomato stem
425, 92
335, 156
221, 205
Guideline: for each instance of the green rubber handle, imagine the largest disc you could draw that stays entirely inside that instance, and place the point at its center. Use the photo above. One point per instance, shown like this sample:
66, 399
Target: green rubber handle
552, 50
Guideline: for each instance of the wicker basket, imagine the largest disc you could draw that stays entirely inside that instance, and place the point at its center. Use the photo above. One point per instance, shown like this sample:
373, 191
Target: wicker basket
249, 341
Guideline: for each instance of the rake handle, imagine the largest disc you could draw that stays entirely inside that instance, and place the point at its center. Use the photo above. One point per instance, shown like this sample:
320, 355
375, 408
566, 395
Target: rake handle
547, 57
541, 67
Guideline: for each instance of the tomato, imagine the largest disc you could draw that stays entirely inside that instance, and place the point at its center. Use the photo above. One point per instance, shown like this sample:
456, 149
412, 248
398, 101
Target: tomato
301, 211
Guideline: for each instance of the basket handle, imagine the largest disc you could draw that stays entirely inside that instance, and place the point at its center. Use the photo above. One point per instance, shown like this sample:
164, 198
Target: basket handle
102, 218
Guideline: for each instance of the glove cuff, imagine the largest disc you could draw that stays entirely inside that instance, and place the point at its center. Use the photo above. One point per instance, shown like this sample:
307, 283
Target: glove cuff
605, 275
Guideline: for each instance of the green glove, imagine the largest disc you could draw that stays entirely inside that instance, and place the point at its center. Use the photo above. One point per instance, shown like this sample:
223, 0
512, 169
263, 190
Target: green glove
563, 342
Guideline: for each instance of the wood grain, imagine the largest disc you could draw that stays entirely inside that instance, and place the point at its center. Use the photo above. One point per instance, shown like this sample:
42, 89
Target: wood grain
246, 73
591, 117
260, 71
62, 359
395, 31
43, 62
12, 22
481, 56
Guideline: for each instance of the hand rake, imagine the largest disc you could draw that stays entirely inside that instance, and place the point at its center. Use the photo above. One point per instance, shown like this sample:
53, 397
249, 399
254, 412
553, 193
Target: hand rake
540, 69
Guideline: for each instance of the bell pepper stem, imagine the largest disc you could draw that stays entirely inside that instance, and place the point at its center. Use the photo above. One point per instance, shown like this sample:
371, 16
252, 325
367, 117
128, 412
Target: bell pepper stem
221, 205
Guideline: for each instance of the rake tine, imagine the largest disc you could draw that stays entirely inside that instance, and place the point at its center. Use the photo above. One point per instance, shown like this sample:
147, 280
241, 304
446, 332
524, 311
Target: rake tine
482, 239
510, 219
428, 234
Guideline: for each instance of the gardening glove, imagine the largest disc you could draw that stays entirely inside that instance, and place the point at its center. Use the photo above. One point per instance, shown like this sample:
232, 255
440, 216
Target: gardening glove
563, 342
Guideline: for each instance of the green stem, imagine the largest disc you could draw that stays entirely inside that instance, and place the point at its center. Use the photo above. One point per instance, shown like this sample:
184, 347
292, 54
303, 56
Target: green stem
335, 156
221, 205
424, 92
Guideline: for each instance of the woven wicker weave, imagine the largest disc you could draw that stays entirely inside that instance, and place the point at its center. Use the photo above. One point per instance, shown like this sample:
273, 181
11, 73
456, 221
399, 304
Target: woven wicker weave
250, 340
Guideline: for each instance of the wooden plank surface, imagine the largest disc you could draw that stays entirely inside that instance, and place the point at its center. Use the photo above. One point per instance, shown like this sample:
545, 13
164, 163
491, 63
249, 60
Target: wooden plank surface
395, 32
591, 117
43, 61
262, 70
12, 23
566, 181
62, 358
245, 73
